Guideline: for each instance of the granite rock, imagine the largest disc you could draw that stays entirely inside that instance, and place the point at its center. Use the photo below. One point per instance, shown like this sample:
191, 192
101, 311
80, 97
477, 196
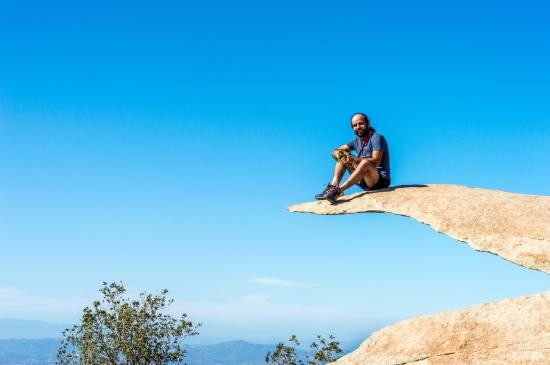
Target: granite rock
511, 331
515, 227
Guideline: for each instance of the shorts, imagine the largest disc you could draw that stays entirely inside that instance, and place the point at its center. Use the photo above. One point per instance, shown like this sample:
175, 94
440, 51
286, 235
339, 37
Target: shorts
382, 183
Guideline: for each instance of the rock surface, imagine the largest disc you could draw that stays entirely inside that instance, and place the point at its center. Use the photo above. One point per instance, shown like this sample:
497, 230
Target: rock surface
515, 227
512, 331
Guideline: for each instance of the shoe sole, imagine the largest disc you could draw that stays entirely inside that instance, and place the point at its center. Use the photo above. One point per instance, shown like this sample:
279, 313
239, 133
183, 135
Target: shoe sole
335, 199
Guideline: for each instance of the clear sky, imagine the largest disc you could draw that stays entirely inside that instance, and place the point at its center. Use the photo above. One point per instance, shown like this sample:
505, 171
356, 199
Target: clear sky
159, 143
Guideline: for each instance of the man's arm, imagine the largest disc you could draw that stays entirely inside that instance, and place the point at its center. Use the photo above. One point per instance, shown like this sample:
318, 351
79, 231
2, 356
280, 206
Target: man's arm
375, 159
344, 148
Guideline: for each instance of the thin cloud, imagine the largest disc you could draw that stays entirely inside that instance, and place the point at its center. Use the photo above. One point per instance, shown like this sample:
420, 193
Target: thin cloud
256, 298
277, 282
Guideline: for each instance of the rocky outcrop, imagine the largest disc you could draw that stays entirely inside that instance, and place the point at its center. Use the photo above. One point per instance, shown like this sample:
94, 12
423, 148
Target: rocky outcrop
515, 227
512, 331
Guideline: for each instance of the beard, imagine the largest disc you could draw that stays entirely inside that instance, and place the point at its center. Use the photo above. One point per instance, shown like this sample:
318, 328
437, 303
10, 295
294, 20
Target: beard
362, 132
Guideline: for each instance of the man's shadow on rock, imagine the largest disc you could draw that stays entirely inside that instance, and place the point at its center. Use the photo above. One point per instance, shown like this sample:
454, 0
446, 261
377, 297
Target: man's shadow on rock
385, 190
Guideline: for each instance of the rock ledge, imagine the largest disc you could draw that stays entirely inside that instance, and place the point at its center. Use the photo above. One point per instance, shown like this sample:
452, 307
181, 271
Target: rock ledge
515, 227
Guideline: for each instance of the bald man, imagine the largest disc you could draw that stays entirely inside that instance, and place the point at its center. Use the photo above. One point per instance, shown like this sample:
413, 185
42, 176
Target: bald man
369, 168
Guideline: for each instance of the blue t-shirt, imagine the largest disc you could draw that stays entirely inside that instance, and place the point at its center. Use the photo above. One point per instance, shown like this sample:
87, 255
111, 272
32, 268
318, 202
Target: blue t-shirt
376, 142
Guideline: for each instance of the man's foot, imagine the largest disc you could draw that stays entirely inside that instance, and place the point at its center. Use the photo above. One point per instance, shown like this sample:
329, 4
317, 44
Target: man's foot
333, 194
323, 195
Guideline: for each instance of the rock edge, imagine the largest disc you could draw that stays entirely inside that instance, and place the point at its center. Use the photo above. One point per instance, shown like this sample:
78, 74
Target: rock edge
513, 226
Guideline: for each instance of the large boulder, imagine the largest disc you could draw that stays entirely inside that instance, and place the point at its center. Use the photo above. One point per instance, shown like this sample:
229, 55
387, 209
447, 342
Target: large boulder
511, 331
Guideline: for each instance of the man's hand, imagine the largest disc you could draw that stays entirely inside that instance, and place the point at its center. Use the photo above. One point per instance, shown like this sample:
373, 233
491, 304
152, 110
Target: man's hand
342, 156
345, 158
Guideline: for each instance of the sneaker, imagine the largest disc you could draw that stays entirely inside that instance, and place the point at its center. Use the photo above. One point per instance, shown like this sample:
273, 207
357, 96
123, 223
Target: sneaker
323, 195
333, 194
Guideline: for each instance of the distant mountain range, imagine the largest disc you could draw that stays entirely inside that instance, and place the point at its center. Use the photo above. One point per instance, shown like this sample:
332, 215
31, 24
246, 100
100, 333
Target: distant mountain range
228, 353
28, 351
24, 342
43, 351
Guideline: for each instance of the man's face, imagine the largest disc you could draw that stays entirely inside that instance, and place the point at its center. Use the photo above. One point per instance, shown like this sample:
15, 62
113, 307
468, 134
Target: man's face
360, 126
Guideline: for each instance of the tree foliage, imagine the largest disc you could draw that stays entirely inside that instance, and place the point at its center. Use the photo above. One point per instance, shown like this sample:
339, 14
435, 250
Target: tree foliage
324, 352
119, 331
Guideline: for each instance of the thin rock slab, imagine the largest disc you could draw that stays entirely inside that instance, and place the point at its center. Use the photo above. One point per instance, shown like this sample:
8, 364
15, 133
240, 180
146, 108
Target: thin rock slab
511, 331
515, 227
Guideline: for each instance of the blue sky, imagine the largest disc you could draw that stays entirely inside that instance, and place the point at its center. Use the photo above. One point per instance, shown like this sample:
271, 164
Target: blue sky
159, 144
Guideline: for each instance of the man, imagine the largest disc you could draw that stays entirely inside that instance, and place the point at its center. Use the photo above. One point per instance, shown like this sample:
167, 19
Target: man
370, 168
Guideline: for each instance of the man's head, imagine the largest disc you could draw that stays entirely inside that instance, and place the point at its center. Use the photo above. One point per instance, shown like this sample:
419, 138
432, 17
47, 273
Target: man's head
360, 124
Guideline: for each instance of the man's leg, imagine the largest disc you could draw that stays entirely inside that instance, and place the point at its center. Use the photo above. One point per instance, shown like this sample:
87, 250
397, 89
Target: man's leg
339, 170
365, 170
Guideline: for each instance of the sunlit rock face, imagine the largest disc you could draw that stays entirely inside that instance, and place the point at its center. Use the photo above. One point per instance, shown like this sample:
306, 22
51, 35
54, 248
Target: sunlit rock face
512, 331
515, 227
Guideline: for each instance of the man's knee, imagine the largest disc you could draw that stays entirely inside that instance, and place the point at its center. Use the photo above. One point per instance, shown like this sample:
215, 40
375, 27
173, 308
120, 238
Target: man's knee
364, 165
